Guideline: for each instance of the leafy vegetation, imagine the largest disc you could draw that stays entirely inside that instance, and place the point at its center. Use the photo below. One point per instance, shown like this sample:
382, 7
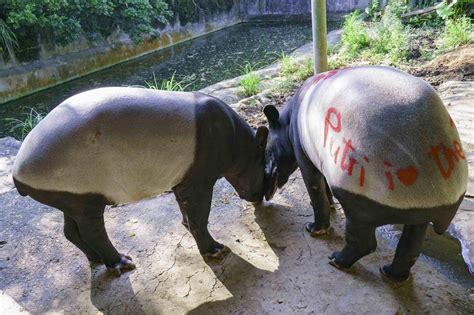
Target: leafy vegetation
288, 65
354, 36
457, 32
23, 127
250, 81
8, 40
63, 21
452, 9
384, 39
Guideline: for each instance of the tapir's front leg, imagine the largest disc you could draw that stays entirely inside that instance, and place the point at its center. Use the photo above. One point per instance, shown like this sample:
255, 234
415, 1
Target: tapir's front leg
194, 200
360, 241
317, 190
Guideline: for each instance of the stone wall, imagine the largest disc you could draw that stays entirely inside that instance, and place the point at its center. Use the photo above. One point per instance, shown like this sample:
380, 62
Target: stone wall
262, 8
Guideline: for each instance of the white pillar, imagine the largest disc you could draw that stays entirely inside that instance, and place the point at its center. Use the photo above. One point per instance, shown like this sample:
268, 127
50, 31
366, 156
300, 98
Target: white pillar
318, 9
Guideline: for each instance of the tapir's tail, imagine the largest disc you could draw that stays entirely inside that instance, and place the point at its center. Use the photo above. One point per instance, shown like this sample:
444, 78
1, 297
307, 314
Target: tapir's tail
20, 187
441, 224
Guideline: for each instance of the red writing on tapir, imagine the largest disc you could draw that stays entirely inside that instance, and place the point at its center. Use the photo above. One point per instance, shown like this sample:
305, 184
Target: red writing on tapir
333, 123
446, 158
324, 76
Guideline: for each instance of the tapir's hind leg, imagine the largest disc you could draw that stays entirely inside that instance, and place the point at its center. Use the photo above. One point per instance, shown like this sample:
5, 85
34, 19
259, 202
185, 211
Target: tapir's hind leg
408, 250
318, 193
360, 241
195, 203
71, 231
90, 224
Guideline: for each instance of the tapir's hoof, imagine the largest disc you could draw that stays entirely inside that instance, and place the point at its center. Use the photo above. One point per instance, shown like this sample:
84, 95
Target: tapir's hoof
125, 264
311, 228
217, 254
333, 261
387, 275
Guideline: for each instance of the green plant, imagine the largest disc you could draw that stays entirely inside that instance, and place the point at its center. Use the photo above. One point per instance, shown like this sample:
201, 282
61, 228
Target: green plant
285, 86
168, 84
383, 40
8, 40
354, 34
398, 7
250, 81
430, 21
389, 37
305, 70
32, 118
373, 9
457, 32
65, 21
288, 65
337, 61
452, 9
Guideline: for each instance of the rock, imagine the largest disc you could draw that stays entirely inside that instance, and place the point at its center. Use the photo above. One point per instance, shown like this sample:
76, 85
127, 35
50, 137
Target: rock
8, 150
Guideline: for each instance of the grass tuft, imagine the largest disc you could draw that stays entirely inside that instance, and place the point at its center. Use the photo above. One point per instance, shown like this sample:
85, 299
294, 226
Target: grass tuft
355, 36
386, 40
24, 127
457, 32
170, 84
250, 81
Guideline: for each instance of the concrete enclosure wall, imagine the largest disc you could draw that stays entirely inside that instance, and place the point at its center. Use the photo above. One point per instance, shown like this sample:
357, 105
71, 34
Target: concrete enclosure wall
55, 65
261, 8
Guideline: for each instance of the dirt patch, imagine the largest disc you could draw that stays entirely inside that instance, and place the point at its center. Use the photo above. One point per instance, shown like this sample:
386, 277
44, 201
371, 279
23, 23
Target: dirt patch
252, 110
455, 65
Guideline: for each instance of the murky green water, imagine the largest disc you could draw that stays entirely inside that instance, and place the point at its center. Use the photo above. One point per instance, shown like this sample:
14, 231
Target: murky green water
205, 60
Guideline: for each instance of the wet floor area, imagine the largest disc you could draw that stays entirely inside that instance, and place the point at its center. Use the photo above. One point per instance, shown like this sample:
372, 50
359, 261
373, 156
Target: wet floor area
443, 252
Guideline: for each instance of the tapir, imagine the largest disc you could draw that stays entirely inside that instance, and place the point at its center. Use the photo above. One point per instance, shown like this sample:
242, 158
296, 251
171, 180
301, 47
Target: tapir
382, 142
116, 145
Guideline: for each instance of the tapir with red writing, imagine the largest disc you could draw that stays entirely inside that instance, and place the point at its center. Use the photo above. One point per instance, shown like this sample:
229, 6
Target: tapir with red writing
116, 145
384, 144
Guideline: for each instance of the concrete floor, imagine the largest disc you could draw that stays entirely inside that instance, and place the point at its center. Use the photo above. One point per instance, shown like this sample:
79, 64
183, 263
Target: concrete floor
274, 267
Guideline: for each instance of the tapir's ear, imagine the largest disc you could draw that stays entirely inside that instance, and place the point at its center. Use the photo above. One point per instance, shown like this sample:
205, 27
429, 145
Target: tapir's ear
272, 115
261, 137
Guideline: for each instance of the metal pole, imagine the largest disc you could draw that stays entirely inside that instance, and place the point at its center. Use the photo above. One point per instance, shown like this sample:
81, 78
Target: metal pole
318, 10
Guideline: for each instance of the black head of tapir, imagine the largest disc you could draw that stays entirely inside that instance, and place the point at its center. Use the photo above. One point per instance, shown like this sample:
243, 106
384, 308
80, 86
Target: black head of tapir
280, 160
248, 182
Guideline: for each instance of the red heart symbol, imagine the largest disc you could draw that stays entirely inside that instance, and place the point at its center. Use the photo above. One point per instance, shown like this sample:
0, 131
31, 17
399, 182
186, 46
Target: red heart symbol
407, 175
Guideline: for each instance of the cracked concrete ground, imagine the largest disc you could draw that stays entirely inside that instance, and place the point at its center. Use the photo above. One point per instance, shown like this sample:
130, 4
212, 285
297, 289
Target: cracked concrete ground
274, 267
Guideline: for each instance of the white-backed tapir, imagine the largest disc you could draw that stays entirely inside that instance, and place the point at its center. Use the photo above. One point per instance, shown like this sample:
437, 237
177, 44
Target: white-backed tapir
385, 145
116, 145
